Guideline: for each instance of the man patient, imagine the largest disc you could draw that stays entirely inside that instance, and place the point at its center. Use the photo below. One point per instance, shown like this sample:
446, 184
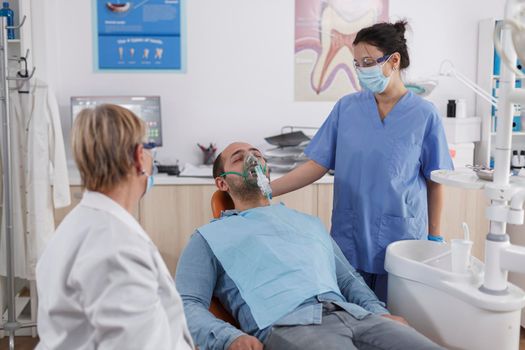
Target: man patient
279, 274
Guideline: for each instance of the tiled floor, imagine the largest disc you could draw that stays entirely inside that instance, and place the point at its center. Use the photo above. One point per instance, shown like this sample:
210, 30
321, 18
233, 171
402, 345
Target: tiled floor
28, 343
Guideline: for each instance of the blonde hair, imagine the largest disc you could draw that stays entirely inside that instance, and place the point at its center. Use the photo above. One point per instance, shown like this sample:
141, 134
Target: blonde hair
104, 140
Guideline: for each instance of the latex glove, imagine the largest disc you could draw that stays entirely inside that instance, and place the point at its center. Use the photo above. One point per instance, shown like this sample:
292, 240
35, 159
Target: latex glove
438, 239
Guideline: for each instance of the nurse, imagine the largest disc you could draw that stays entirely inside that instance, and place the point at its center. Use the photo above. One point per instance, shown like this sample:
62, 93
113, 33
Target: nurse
382, 143
102, 283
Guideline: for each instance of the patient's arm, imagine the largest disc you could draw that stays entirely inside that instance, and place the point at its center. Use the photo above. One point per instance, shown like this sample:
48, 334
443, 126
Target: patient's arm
353, 287
195, 280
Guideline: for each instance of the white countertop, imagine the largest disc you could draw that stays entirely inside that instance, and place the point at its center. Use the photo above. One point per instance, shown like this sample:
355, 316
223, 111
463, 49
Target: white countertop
164, 179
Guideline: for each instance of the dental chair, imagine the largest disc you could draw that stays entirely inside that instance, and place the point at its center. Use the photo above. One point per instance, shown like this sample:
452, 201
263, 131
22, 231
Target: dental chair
221, 201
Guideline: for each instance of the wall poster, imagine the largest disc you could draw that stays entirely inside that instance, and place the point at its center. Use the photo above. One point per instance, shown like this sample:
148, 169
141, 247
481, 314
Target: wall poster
324, 32
139, 35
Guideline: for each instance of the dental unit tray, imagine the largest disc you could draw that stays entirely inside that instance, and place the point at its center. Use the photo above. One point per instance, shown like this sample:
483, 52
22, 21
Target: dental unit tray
482, 172
285, 154
473, 177
293, 138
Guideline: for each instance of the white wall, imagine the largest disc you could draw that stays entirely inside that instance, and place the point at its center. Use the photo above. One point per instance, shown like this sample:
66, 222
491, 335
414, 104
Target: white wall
239, 80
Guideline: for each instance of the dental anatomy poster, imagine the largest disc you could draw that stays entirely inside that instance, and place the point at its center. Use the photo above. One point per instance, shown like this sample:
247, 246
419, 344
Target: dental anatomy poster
139, 35
324, 32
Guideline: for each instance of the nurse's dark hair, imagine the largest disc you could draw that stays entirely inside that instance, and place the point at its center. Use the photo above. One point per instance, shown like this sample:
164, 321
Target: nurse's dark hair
388, 38
218, 166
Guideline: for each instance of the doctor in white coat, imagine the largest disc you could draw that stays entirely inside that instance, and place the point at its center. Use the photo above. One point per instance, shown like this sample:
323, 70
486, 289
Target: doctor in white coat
101, 281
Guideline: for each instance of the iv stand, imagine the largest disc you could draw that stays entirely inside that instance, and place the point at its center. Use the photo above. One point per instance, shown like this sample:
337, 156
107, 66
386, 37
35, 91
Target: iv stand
12, 324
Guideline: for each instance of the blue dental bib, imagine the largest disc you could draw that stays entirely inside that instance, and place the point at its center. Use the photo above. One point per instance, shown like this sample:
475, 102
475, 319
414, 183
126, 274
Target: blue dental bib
277, 257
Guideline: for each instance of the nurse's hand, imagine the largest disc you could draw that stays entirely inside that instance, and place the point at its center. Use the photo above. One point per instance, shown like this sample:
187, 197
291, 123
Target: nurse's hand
397, 319
246, 342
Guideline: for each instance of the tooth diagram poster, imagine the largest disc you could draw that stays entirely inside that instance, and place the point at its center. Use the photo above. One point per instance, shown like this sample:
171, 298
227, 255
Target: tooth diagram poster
324, 32
139, 35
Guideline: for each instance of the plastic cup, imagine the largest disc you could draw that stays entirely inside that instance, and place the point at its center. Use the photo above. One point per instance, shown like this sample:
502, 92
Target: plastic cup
460, 251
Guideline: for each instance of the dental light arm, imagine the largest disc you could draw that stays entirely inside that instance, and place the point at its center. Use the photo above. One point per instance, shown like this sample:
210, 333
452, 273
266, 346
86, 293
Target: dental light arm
447, 69
506, 199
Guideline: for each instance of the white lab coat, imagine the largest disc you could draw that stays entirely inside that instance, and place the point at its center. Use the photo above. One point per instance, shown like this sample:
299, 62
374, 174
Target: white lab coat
39, 176
102, 284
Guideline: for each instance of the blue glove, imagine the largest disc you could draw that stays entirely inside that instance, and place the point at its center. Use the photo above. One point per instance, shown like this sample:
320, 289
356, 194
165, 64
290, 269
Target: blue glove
438, 239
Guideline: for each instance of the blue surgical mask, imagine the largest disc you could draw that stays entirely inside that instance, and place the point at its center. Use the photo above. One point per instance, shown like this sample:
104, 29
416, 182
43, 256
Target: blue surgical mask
150, 183
372, 78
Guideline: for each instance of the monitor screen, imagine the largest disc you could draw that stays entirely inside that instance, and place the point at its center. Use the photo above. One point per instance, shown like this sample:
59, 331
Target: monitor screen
145, 107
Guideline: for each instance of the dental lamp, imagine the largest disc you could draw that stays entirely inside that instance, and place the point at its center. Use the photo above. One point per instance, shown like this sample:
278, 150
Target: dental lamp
424, 87
447, 69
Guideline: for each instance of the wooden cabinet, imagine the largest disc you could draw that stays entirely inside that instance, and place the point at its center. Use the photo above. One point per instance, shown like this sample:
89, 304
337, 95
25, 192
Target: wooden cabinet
76, 197
303, 200
459, 206
468, 206
325, 199
171, 213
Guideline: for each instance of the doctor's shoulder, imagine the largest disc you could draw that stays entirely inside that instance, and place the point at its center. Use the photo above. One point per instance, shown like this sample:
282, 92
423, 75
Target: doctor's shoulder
116, 242
98, 228
73, 224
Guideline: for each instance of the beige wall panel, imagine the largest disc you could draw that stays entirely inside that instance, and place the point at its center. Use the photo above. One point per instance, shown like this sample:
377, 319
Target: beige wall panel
325, 197
170, 214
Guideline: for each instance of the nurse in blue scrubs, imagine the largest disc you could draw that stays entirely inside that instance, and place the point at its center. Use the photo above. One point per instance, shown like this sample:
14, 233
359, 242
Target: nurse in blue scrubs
382, 142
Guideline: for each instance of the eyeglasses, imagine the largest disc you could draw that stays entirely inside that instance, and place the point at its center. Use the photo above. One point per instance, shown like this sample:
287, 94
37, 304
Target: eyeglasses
152, 151
370, 62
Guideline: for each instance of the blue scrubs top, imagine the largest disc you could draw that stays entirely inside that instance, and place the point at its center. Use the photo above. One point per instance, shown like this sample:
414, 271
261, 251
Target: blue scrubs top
381, 168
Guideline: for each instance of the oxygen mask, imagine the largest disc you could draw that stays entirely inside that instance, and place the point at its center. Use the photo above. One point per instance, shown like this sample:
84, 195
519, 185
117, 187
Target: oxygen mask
254, 174
255, 170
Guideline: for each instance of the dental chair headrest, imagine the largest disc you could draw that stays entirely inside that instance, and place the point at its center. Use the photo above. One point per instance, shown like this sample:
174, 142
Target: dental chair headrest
220, 201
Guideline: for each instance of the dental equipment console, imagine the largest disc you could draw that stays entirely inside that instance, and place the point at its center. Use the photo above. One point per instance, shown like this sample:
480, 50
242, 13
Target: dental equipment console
507, 196
445, 293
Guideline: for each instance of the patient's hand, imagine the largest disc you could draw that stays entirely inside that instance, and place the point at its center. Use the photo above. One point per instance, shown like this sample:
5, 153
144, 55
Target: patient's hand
246, 342
397, 319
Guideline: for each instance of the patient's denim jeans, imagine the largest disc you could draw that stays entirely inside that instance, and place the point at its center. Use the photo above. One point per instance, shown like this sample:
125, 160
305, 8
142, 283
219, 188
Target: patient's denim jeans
339, 330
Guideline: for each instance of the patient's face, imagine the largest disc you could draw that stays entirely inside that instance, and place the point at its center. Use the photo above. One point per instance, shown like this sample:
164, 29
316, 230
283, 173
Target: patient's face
234, 157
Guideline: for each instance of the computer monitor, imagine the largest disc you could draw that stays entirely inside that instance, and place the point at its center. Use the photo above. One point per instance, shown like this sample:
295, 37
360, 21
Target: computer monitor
145, 107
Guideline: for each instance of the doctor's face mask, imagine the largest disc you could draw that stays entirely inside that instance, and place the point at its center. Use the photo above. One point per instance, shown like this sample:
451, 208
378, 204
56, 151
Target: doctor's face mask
151, 151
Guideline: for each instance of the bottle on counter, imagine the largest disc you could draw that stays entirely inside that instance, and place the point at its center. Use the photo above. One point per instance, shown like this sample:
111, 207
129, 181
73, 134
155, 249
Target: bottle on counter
515, 162
451, 109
